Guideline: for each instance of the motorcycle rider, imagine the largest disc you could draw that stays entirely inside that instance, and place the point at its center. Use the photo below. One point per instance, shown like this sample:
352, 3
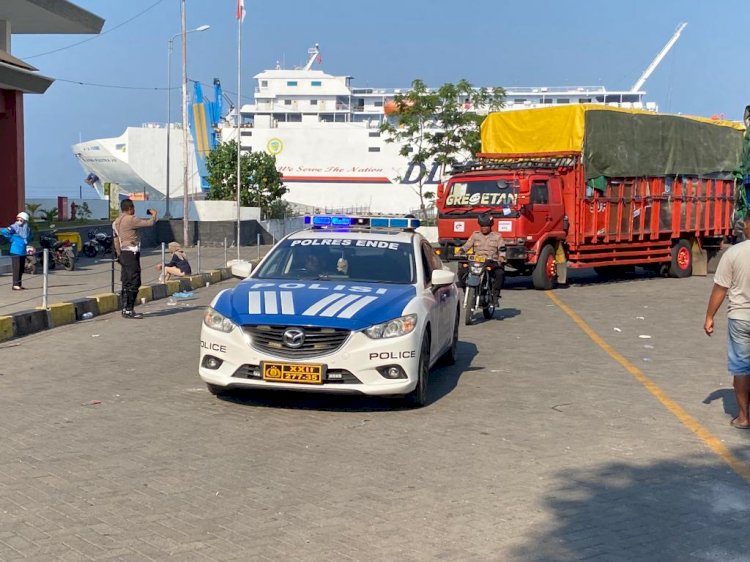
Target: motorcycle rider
490, 245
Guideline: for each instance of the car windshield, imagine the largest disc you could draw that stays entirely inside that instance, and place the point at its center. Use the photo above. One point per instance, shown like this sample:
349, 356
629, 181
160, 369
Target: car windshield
362, 260
484, 193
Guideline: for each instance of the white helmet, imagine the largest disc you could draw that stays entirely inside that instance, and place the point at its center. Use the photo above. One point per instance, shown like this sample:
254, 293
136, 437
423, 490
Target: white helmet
23, 215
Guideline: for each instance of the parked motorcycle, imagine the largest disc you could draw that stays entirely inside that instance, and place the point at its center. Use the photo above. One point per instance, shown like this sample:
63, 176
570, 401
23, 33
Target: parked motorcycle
98, 242
478, 291
60, 251
30, 266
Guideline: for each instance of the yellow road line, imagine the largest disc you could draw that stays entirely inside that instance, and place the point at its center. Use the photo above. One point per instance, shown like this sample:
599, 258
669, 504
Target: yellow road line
686, 419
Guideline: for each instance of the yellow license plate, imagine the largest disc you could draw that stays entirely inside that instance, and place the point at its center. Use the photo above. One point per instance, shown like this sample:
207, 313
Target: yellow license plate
292, 372
480, 259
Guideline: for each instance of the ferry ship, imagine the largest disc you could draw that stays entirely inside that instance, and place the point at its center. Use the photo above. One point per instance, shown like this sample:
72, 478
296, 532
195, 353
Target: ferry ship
324, 132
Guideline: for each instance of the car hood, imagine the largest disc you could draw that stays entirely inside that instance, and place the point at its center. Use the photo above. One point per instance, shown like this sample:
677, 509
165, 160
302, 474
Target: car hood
331, 304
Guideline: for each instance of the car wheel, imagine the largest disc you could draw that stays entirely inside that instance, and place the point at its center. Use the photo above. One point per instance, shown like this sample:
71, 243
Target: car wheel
216, 390
418, 397
450, 356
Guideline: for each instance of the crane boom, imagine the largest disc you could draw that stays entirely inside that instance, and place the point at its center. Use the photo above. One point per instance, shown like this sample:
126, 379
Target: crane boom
654, 63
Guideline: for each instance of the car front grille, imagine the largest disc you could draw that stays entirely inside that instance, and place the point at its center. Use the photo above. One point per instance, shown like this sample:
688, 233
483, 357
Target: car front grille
318, 341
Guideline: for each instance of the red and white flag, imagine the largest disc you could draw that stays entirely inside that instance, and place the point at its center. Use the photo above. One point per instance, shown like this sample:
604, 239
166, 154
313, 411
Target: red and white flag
241, 10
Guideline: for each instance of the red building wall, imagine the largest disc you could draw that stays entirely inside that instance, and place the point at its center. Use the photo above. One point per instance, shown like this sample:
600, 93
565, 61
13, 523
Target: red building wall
12, 184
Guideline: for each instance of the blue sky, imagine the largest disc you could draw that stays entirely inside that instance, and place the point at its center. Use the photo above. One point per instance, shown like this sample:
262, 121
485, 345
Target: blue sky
385, 44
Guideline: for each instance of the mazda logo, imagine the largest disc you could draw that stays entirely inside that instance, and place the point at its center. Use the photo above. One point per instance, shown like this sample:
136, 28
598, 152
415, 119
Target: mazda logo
294, 338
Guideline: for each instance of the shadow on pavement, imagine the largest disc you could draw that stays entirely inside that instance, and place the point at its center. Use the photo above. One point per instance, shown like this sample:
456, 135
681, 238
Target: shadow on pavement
669, 511
442, 382
728, 400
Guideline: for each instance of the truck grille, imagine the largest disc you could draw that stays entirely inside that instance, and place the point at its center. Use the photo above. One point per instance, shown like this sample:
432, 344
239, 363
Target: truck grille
317, 341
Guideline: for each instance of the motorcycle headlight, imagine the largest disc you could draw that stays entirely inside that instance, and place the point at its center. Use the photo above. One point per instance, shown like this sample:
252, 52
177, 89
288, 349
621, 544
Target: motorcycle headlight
476, 268
393, 328
217, 321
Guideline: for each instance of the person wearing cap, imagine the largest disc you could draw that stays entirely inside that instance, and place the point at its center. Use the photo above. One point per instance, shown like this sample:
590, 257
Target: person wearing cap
19, 234
490, 245
178, 266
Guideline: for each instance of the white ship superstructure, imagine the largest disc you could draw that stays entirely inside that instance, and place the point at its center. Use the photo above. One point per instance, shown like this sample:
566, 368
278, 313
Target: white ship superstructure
325, 134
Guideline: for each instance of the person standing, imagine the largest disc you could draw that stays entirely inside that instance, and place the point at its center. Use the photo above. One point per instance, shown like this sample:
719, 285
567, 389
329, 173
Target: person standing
732, 280
19, 234
128, 247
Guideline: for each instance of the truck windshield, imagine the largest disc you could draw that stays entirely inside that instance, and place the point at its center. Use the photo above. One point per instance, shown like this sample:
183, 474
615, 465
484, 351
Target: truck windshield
482, 193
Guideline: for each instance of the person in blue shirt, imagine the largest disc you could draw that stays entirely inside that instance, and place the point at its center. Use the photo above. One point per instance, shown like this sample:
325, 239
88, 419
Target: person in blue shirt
19, 234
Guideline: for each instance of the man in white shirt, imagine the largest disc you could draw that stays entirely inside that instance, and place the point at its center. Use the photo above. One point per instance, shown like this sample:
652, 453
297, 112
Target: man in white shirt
732, 280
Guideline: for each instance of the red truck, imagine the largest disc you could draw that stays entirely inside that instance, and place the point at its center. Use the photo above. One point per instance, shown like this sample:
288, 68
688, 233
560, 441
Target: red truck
593, 186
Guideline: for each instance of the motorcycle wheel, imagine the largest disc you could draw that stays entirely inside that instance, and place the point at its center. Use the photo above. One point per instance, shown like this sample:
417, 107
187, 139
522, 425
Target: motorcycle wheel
89, 251
68, 262
469, 309
29, 267
488, 308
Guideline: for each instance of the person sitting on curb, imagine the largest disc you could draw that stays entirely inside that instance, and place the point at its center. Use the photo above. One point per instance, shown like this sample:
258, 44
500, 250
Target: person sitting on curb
178, 266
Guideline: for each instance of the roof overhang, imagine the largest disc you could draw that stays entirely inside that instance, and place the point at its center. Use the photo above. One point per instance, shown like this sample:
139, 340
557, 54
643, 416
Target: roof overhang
13, 77
48, 17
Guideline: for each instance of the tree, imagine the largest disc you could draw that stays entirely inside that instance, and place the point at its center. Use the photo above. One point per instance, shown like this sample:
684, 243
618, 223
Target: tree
261, 181
440, 125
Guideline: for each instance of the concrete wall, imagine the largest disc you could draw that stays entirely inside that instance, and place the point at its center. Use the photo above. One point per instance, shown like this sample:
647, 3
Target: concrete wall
98, 207
204, 211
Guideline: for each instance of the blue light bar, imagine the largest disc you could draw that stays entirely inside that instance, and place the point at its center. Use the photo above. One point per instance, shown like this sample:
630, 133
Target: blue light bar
322, 221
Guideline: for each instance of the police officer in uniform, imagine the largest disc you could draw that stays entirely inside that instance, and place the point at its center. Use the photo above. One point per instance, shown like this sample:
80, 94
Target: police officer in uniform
491, 245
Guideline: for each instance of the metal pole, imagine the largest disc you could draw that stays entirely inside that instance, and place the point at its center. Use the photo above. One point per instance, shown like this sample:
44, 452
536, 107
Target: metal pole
257, 241
199, 256
169, 115
45, 276
185, 206
163, 260
225, 251
112, 280
239, 122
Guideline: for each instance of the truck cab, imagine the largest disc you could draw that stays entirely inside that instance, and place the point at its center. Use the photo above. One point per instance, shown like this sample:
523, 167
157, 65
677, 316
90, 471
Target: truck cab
528, 209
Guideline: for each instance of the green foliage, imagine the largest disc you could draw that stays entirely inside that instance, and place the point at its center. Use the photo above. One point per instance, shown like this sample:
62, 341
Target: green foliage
84, 211
32, 208
261, 182
280, 209
49, 215
441, 125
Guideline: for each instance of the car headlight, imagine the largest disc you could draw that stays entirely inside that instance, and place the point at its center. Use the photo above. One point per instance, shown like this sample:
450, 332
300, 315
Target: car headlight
217, 321
393, 328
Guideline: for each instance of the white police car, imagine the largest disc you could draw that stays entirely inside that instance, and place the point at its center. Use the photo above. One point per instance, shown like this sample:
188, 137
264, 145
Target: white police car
350, 305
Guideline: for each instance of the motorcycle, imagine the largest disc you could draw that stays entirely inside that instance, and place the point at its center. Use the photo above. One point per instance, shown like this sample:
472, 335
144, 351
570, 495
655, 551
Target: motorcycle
478, 291
97, 242
30, 266
60, 251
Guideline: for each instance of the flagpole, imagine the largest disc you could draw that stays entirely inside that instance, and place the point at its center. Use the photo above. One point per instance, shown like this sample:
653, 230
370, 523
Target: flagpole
240, 14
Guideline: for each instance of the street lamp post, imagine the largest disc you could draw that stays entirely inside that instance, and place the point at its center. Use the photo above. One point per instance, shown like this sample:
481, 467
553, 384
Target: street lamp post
170, 44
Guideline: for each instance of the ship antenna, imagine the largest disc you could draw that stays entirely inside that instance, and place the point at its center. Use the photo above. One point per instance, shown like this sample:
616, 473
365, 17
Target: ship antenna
654, 63
314, 53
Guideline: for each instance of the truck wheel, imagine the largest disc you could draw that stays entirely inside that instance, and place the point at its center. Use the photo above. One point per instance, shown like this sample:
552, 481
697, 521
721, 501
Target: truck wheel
682, 260
545, 272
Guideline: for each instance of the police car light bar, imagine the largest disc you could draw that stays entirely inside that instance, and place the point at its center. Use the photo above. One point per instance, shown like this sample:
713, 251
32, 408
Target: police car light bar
339, 221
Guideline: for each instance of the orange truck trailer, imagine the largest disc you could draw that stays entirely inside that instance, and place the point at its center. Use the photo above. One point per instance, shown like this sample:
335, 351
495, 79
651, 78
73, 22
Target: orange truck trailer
594, 186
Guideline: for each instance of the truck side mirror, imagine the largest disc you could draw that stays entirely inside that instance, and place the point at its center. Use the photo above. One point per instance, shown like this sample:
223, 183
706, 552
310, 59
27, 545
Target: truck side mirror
440, 190
524, 191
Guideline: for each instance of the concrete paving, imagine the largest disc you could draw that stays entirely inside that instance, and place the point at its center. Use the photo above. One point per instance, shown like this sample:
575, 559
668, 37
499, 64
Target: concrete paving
94, 276
537, 446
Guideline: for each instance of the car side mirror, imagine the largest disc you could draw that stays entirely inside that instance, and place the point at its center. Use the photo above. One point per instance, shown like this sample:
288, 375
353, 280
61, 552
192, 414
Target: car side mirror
240, 268
524, 192
442, 277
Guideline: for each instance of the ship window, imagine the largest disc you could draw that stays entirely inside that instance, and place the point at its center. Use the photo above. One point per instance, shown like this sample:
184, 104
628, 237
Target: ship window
246, 133
313, 102
291, 83
373, 149
264, 83
584, 100
374, 134
563, 100
547, 100
316, 83
287, 102
378, 103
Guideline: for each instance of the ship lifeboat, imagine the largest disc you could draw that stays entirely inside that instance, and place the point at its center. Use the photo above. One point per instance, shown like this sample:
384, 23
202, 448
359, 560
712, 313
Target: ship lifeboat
390, 107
